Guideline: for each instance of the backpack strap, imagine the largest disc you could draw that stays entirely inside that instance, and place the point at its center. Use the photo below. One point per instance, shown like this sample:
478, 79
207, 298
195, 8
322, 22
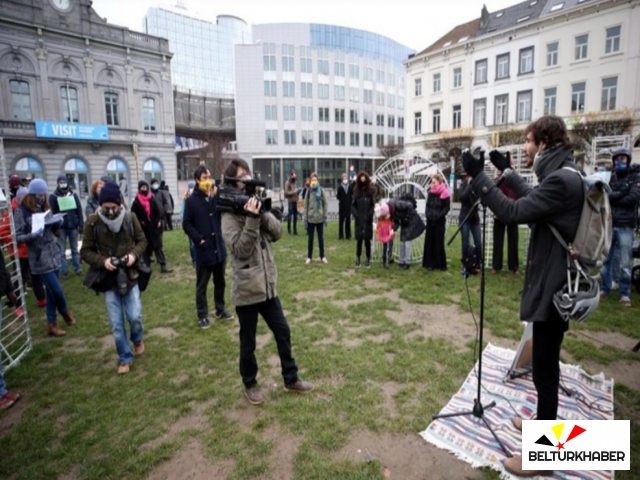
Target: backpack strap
553, 229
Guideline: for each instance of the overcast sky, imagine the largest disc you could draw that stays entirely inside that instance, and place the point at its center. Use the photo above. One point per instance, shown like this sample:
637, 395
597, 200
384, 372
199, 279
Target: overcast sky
414, 23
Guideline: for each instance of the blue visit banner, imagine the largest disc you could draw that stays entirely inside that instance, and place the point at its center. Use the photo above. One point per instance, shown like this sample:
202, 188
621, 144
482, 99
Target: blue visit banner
72, 131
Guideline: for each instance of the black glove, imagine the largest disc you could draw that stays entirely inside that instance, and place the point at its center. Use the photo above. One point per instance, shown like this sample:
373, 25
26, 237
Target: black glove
500, 161
471, 164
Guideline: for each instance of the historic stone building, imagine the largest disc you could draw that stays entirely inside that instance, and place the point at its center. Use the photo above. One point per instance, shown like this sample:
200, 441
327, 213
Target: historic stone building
82, 97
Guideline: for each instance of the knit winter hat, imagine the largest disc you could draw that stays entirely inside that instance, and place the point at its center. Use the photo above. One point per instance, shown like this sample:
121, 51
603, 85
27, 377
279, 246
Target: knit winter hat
384, 210
15, 181
38, 187
61, 178
143, 183
110, 192
22, 191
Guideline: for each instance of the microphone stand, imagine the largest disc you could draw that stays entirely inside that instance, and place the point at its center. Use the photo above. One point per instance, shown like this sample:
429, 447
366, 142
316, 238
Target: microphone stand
478, 409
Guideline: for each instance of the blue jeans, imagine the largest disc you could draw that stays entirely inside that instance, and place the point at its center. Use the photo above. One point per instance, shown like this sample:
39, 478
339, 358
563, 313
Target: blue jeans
621, 247
474, 229
192, 251
117, 306
55, 296
72, 235
311, 228
3, 386
405, 252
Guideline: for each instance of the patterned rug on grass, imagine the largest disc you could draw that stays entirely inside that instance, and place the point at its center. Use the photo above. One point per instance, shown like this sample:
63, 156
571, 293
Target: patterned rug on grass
469, 439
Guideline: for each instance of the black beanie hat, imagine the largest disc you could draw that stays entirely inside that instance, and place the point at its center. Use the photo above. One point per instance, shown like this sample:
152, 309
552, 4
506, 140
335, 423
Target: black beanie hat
143, 183
110, 192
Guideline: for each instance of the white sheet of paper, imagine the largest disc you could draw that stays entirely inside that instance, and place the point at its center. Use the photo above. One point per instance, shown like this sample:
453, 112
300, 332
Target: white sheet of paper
37, 222
2, 197
48, 220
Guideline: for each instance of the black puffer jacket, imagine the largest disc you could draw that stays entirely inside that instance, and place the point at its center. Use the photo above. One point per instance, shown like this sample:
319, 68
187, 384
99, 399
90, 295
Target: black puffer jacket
437, 208
362, 209
557, 200
406, 217
625, 196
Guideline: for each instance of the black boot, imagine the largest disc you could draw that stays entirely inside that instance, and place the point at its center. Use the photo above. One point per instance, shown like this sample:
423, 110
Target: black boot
165, 269
357, 262
289, 226
367, 263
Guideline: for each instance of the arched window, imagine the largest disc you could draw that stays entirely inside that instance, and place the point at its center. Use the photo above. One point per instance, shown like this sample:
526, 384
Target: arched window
153, 169
29, 167
78, 176
117, 169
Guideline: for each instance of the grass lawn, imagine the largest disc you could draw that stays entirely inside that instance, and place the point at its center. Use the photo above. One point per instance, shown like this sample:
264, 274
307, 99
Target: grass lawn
386, 350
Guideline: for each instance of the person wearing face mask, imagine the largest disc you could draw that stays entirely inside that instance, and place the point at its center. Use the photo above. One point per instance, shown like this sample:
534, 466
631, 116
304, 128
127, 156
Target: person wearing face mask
44, 253
65, 200
146, 209
291, 192
345, 199
624, 199
315, 217
113, 233
15, 182
161, 200
169, 205
363, 209
202, 224
249, 239
557, 201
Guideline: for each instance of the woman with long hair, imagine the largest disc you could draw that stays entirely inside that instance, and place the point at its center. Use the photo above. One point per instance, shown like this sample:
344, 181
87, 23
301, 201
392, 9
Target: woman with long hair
363, 209
44, 253
92, 201
438, 205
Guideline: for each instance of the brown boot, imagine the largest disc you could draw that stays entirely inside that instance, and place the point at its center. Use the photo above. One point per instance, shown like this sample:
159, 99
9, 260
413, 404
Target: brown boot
513, 465
69, 320
54, 331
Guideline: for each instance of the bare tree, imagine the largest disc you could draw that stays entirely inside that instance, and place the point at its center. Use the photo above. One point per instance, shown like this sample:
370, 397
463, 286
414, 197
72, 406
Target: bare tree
390, 151
211, 154
452, 143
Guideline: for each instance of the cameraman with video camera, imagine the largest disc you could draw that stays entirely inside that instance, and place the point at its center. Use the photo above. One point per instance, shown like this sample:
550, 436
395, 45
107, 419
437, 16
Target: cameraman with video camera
248, 233
114, 241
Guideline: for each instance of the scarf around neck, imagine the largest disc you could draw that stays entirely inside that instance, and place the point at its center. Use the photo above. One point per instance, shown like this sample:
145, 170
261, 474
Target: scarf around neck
115, 224
145, 201
318, 192
441, 190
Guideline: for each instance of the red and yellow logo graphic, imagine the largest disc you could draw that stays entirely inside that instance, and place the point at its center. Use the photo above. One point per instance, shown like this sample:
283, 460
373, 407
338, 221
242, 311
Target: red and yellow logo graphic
557, 431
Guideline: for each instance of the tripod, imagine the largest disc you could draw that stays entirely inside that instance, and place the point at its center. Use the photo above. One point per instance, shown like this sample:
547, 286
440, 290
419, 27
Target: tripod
478, 409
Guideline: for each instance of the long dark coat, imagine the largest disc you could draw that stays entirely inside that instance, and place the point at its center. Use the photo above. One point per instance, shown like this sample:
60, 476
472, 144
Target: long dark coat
150, 227
345, 199
437, 209
407, 218
362, 210
557, 200
202, 222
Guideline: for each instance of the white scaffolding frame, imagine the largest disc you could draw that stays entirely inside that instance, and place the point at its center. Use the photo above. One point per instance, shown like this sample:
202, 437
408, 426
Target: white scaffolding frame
15, 335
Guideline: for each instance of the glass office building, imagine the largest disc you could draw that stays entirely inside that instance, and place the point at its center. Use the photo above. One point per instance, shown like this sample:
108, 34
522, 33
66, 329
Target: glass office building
321, 98
202, 50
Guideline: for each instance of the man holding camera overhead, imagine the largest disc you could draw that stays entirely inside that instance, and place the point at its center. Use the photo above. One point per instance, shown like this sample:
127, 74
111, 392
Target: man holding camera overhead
114, 241
202, 223
248, 234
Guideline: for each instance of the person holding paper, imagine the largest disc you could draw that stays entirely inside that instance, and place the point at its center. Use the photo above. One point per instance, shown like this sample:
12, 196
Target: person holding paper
65, 200
43, 250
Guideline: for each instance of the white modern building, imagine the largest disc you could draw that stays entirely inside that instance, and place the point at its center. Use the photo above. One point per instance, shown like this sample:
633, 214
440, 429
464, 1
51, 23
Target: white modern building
579, 59
203, 49
318, 98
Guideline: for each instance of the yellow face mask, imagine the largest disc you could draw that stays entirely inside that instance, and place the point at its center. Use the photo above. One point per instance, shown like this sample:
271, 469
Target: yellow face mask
314, 184
205, 185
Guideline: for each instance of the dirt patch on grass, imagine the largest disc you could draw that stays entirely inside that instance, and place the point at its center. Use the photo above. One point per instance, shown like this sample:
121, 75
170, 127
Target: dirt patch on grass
163, 332
348, 273
190, 462
389, 390
612, 339
193, 422
12, 417
107, 342
180, 379
373, 283
315, 294
262, 340
76, 345
244, 413
391, 295
406, 456
623, 372
283, 452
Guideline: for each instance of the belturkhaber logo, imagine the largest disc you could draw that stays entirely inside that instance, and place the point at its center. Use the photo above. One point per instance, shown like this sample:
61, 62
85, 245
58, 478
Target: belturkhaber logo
581, 445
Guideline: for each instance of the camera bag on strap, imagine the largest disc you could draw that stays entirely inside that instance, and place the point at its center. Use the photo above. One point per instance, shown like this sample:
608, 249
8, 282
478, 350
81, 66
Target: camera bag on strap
101, 280
595, 228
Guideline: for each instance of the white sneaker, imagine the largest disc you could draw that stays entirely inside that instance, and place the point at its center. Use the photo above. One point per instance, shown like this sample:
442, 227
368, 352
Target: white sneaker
614, 286
308, 261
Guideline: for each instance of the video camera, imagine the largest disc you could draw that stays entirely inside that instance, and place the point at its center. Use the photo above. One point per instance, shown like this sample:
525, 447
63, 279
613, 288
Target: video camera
119, 262
232, 200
